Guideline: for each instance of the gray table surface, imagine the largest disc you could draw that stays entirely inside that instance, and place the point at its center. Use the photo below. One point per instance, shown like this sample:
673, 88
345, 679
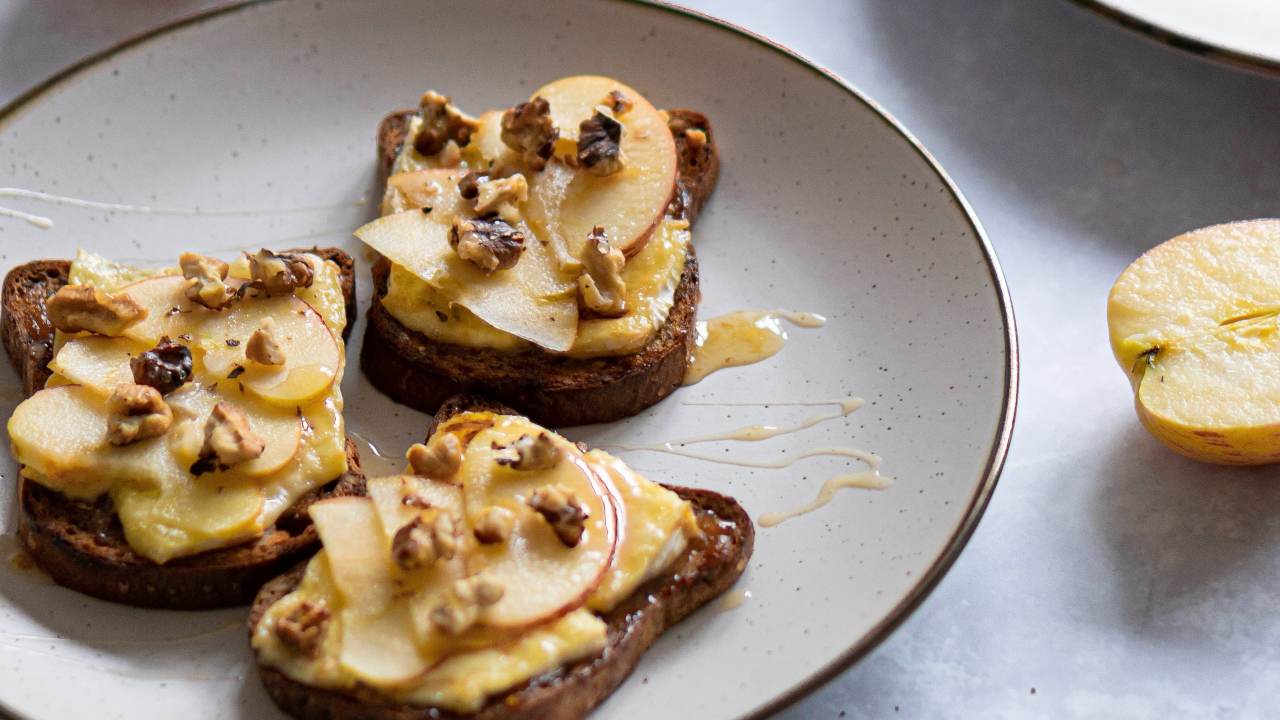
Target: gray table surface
1109, 577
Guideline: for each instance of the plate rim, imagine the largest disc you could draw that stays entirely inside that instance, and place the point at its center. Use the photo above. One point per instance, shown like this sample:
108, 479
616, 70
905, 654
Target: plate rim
1217, 54
928, 580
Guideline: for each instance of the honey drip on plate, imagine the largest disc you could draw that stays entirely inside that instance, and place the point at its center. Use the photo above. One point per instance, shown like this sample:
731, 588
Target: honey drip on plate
742, 338
869, 479
733, 600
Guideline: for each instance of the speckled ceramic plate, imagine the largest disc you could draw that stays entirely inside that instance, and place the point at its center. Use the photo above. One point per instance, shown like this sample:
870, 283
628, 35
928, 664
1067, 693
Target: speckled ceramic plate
1241, 32
825, 205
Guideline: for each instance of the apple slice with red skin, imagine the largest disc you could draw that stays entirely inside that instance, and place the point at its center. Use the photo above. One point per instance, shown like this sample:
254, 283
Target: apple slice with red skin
543, 578
628, 204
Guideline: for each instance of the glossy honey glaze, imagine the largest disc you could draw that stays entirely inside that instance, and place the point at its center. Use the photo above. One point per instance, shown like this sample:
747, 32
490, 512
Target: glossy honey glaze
742, 338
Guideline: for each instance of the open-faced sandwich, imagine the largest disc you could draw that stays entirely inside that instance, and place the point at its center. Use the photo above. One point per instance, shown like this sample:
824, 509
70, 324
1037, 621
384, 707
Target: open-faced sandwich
178, 421
539, 254
510, 574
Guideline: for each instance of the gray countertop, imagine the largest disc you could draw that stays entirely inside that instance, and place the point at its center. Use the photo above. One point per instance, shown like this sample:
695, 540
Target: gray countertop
1109, 578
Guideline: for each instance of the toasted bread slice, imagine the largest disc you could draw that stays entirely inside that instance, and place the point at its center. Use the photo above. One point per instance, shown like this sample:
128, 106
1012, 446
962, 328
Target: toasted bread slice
550, 389
81, 545
706, 570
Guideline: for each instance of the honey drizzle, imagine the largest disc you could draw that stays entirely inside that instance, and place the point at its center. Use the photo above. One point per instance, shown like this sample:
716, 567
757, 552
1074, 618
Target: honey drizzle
742, 338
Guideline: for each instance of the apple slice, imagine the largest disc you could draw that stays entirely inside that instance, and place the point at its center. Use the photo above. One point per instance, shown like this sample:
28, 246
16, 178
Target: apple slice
187, 517
169, 312
435, 188
378, 641
388, 495
98, 363
1194, 324
192, 404
313, 357
629, 203
532, 300
543, 578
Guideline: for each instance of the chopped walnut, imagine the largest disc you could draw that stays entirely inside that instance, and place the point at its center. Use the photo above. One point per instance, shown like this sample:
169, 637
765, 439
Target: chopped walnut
467, 597
440, 458
303, 627
692, 142
600, 285
529, 130
136, 412
469, 185
432, 535
442, 122
263, 347
562, 509
275, 275
84, 308
500, 196
494, 525
618, 102
489, 243
533, 452
165, 367
228, 440
697, 139
600, 144
206, 281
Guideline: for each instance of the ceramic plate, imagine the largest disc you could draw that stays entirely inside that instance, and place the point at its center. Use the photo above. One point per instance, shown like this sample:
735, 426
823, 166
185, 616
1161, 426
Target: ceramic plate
1244, 32
262, 117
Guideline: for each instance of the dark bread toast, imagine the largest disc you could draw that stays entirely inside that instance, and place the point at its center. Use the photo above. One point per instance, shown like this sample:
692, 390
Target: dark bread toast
550, 389
81, 545
706, 570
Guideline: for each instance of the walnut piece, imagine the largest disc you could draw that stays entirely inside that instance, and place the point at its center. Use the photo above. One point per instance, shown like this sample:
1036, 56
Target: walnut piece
165, 367
528, 129
262, 347
600, 286
562, 509
206, 281
467, 597
600, 144
501, 195
618, 102
533, 452
303, 627
275, 275
228, 440
136, 412
442, 122
84, 308
489, 243
440, 458
494, 525
434, 534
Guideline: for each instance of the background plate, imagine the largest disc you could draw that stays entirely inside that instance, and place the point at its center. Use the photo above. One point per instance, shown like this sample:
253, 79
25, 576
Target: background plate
1244, 32
824, 205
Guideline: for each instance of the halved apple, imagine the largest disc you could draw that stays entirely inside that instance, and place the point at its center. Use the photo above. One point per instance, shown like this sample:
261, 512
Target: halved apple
1194, 324
312, 356
544, 578
532, 300
628, 204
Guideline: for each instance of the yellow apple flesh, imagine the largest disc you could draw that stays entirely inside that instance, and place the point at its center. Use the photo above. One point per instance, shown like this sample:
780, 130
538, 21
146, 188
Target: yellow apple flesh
1193, 323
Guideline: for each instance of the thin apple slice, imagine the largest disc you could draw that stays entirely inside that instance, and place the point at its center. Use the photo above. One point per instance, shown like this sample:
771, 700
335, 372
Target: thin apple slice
313, 357
532, 300
389, 494
377, 631
486, 149
435, 188
58, 435
192, 404
544, 578
628, 204
169, 312
96, 362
